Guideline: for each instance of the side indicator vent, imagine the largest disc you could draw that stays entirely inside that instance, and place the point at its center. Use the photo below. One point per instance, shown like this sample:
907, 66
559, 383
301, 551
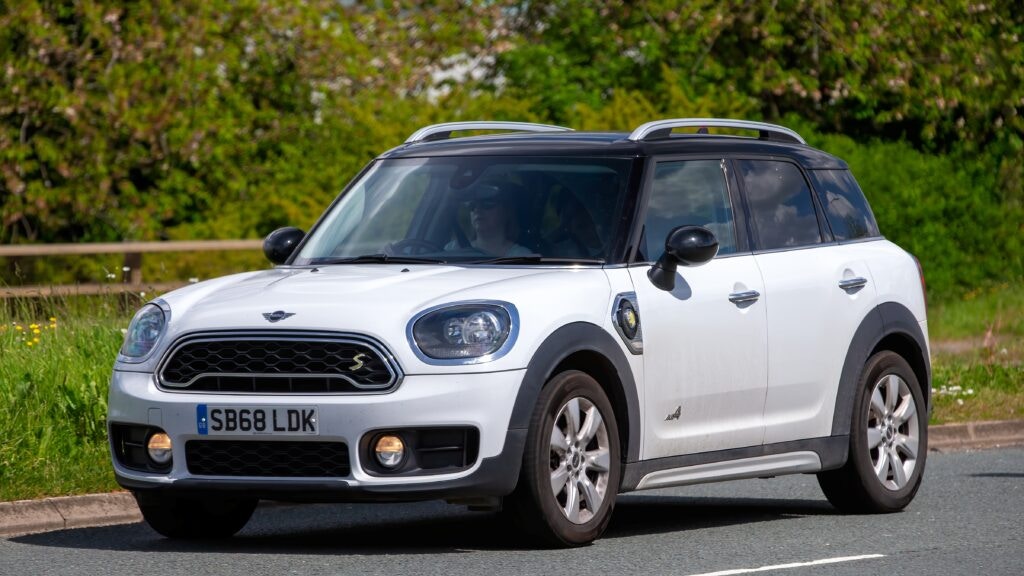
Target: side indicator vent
626, 318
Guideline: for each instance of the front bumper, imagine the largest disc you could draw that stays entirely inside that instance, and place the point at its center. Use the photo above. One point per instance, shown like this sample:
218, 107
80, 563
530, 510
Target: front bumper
483, 401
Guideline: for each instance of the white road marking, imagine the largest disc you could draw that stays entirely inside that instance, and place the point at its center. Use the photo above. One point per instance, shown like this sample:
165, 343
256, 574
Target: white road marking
791, 565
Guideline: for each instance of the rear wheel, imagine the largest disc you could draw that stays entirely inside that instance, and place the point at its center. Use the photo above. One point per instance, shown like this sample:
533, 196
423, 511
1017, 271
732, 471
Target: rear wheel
571, 467
888, 441
186, 517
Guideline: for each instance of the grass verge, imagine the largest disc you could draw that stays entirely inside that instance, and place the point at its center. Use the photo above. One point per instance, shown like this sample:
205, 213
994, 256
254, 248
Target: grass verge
55, 360
56, 355
978, 357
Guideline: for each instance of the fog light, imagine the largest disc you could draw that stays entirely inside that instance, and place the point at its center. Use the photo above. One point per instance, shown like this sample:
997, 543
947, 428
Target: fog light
390, 451
159, 448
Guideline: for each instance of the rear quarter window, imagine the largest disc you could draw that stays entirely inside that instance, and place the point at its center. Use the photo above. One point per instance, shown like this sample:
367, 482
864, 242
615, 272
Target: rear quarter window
845, 206
780, 203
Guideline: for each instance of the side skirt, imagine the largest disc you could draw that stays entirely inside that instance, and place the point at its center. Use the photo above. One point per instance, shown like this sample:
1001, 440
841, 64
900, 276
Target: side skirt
796, 457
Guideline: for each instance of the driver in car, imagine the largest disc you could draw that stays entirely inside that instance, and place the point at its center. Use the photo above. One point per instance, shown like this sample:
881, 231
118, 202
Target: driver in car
493, 220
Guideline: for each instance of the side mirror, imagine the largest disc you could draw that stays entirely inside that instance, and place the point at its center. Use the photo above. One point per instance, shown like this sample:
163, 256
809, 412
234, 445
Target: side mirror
686, 245
280, 244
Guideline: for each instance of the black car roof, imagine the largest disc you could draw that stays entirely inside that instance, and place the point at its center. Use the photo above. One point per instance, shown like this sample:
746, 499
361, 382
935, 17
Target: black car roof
614, 144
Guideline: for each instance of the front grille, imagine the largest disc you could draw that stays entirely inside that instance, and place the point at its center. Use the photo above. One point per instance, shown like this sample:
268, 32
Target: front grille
267, 459
277, 364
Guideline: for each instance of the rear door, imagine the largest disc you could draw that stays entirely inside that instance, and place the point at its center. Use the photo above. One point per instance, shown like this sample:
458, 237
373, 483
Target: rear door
818, 291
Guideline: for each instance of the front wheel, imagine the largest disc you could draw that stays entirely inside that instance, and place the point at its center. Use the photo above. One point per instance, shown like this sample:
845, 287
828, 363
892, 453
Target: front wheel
888, 441
571, 466
184, 517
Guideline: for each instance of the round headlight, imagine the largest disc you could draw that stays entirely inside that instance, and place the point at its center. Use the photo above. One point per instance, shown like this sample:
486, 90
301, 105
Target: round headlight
483, 328
144, 332
463, 331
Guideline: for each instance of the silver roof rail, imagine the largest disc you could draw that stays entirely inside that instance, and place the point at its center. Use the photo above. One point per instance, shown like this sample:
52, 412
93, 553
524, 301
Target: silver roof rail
443, 131
662, 128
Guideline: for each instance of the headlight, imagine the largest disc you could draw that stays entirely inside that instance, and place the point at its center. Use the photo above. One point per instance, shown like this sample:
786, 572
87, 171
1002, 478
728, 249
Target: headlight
143, 333
464, 333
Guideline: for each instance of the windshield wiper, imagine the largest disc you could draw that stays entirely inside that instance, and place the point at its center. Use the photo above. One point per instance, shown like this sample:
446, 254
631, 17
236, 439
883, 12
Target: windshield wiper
377, 259
538, 259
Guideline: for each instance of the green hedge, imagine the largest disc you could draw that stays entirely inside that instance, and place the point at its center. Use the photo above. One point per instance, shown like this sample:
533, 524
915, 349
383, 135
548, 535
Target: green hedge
226, 119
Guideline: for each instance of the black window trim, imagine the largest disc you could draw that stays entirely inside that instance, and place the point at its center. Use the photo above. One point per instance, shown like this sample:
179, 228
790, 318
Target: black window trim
817, 198
743, 244
824, 229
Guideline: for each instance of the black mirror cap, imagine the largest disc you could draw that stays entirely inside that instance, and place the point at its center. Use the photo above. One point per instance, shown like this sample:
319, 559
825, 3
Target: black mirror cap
279, 244
686, 245
691, 245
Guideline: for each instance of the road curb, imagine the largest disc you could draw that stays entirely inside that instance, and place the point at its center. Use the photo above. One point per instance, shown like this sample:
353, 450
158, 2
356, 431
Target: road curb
30, 516
92, 510
976, 435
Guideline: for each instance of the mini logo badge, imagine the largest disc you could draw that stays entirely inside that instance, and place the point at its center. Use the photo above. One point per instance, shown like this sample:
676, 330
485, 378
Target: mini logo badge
277, 316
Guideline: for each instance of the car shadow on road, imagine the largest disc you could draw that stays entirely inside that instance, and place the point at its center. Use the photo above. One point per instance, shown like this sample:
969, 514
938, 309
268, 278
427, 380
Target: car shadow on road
423, 528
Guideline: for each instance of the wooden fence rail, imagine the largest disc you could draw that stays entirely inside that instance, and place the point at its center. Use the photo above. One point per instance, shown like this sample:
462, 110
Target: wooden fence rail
132, 251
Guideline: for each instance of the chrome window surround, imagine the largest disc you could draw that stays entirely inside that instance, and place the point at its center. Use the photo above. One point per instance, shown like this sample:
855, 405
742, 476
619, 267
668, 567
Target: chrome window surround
298, 336
513, 333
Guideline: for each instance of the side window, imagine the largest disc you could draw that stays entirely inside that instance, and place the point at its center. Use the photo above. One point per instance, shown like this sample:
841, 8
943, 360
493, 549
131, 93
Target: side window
846, 208
688, 192
780, 204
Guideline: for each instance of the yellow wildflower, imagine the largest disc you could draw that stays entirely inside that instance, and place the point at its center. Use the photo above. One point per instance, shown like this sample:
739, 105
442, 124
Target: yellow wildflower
52, 319
36, 340
18, 327
29, 342
33, 326
35, 330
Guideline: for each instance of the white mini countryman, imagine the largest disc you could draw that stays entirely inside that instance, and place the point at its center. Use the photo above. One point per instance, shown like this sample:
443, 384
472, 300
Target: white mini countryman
537, 321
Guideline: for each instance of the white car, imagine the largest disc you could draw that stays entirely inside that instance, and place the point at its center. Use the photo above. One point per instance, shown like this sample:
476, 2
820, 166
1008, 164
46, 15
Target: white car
536, 321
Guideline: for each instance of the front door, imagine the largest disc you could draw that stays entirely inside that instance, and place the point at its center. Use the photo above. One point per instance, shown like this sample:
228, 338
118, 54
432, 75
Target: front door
705, 353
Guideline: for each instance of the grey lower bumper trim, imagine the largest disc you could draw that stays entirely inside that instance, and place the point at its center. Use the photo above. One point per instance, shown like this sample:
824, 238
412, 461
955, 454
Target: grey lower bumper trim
496, 476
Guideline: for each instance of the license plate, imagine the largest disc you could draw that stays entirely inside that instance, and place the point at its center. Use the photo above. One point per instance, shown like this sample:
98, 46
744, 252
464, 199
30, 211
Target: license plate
235, 420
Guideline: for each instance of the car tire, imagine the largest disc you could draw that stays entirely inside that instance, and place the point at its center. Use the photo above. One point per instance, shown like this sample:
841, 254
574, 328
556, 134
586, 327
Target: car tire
888, 441
571, 466
182, 517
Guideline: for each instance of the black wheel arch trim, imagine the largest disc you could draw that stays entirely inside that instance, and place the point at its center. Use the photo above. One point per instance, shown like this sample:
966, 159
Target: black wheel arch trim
886, 319
559, 346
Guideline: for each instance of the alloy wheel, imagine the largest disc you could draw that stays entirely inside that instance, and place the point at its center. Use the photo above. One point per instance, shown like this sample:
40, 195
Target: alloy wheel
893, 435
580, 460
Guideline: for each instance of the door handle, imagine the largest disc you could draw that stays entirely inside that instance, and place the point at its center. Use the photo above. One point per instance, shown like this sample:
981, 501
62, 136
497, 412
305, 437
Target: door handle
853, 283
742, 297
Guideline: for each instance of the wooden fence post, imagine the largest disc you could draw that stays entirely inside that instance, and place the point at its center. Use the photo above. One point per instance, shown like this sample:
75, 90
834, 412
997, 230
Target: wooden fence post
133, 262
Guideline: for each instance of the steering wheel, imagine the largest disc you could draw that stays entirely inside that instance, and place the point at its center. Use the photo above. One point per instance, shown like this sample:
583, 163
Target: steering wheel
412, 246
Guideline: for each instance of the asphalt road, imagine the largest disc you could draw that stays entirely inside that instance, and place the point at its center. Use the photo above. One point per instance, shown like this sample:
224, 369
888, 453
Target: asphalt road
968, 518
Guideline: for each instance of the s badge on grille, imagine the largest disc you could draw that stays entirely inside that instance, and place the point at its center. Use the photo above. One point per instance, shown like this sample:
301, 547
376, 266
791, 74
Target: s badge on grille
277, 316
358, 359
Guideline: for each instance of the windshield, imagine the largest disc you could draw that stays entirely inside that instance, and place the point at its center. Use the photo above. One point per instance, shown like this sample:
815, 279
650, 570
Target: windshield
480, 209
